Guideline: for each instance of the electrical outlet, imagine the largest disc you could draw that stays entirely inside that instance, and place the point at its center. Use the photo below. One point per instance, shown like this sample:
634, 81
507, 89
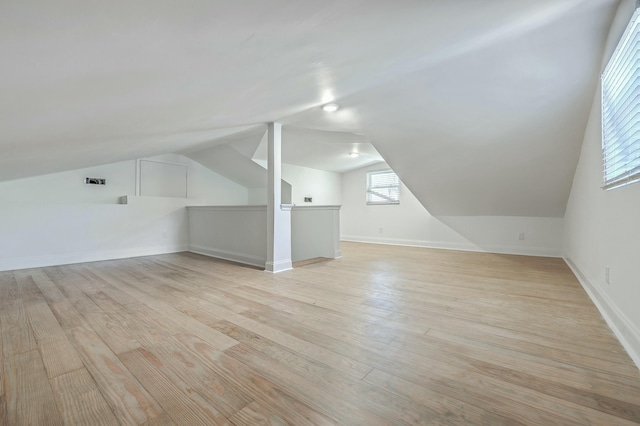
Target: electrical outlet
606, 275
521, 236
308, 199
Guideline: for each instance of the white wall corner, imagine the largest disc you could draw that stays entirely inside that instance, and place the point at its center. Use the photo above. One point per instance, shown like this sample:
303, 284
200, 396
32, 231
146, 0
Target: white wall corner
626, 332
279, 266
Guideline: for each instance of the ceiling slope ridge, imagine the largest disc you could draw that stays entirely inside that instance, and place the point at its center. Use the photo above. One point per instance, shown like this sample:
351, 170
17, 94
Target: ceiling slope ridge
233, 165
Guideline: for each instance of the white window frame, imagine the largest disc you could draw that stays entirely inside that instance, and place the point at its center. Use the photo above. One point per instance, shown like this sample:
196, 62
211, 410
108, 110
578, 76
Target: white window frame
381, 189
621, 110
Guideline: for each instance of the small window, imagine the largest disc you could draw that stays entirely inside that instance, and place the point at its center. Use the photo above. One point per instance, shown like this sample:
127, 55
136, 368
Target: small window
383, 188
621, 111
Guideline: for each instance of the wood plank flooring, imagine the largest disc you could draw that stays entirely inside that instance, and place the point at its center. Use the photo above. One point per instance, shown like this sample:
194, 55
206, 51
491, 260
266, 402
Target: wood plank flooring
383, 336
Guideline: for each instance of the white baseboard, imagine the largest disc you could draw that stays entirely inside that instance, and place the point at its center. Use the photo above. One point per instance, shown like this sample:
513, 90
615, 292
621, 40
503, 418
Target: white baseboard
446, 245
9, 264
280, 266
626, 332
228, 255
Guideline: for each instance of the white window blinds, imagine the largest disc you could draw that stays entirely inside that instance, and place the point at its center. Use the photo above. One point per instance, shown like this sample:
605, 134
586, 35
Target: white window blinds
383, 188
621, 111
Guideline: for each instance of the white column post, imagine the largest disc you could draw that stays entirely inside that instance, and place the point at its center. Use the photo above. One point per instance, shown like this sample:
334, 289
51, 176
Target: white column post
278, 215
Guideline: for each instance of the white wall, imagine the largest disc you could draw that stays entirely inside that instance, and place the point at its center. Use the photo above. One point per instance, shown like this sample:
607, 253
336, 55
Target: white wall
207, 185
57, 219
409, 223
603, 227
237, 233
257, 196
69, 187
324, 187
315, 232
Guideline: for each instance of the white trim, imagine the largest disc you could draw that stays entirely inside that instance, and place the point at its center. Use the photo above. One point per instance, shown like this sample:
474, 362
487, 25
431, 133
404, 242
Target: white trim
66, 259
229, 208
446, 245
317, 207
624, 329
279, 266
228, 255
286, 207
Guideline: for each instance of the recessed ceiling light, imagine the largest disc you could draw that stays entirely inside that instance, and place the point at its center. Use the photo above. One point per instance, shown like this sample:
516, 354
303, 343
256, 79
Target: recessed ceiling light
354, 154
331, 107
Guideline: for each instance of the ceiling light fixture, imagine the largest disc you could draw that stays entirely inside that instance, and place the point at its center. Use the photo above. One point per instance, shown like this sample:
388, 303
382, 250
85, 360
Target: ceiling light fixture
331, 107
354, 154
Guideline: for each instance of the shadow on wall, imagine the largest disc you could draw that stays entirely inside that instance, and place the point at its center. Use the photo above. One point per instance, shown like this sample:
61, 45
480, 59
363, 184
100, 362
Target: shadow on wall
537, 236
410, 223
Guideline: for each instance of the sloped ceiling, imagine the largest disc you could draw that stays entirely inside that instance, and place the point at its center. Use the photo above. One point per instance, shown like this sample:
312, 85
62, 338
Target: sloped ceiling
323, 150
231, 164
480, 107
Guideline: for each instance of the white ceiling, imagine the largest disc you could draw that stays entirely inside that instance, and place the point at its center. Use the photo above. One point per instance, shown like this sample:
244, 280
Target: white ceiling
324, 150
479, 107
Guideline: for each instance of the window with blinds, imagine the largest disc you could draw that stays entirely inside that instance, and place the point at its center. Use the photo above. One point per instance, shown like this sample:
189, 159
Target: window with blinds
621, 110
383, 187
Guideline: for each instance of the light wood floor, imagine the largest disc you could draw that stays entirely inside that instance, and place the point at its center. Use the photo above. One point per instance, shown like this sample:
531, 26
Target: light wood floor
385, 335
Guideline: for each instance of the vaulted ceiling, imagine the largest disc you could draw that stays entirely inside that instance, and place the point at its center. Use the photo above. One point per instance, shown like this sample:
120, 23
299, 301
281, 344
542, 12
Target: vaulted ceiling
480, 107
